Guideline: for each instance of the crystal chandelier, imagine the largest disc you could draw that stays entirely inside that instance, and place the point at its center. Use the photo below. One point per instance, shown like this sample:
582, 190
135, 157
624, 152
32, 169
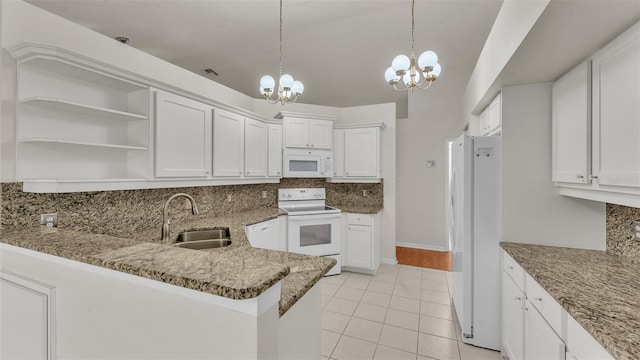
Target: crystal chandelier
288, 90
403, 67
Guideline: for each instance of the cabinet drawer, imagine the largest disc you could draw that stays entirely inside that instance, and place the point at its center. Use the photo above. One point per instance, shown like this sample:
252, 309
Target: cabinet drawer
548, 307
358, 219
515, 271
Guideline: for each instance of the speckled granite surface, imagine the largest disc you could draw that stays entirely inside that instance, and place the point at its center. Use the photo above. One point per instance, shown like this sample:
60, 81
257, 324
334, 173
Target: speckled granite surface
237, 271
600, 291
621, 239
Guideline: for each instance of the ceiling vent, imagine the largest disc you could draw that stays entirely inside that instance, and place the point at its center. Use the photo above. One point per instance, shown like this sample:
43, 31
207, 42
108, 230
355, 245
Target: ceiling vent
210, 71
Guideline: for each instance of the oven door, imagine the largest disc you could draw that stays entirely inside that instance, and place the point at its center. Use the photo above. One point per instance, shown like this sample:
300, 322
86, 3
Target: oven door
317, 234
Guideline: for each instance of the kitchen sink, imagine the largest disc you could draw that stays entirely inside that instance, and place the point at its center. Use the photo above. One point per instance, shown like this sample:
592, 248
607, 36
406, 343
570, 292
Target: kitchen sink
204, 239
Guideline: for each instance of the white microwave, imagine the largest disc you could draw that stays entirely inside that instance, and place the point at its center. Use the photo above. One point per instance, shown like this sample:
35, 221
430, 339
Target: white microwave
298, 163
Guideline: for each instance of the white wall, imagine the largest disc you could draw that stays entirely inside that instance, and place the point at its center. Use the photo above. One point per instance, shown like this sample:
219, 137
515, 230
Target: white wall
532, 210
434, 115
513, 23
385, 113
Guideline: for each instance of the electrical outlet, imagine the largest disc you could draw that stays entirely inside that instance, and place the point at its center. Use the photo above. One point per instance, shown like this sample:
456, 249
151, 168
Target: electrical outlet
49, 220
228, 197
637, 226
364, 192
264, 194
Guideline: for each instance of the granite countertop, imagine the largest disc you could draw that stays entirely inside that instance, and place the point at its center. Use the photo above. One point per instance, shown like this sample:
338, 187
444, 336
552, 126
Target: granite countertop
600, 291
359, 209
238, 271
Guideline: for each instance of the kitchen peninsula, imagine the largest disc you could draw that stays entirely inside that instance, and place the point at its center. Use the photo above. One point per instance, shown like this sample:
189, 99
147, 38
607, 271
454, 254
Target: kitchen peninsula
136, 297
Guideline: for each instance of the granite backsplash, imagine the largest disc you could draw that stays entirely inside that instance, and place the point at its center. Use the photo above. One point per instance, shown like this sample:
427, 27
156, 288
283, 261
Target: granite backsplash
621, 239
120, 213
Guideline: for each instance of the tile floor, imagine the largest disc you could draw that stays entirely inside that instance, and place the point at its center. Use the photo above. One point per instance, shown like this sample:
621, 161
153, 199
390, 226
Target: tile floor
402, 312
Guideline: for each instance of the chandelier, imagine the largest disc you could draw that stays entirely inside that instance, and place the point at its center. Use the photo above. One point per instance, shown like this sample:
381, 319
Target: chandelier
403, 67
288, 89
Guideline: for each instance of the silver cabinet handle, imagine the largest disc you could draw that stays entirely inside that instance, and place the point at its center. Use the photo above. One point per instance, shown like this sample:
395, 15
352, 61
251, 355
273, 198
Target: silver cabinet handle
307, 145
537, 299
519, 298
510, 267
580, 176
247, 173
592, 177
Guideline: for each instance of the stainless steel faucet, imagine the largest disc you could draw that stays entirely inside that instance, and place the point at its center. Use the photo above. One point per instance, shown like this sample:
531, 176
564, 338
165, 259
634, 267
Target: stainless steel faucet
165, 216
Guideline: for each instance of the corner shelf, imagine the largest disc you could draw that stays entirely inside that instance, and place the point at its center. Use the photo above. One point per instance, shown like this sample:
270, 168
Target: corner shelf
66, 105
82, 143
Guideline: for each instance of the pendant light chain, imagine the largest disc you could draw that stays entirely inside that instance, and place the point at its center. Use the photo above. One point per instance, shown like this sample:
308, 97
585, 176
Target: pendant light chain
413, 26
280, 37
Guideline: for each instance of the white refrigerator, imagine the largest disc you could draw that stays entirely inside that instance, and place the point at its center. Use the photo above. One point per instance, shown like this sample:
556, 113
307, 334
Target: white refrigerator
473, 215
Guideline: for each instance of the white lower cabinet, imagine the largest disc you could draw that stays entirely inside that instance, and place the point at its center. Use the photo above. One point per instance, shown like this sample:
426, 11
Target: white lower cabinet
534, 324
27, 323
361, 242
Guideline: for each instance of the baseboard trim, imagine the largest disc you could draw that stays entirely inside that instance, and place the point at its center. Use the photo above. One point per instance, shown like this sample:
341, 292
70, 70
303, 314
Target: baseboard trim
389, 261
440, 260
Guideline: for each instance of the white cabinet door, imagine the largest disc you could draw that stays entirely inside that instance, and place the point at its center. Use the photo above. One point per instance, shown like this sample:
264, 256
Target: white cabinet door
512, 319
275, 150
571, 124
266, 235
616, 111
362, 152
255, 148
338, 153
27, 326
183, 137
495, 115
296, 133
484, 122
541, 342
228, 144
321, 134
359, 247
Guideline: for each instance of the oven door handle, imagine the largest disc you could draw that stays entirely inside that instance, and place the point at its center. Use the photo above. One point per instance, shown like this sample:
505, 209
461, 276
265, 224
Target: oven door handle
298, 218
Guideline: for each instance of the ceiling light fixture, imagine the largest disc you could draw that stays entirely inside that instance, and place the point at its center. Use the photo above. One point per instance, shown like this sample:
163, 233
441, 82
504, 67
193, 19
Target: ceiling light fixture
403, 67
288, 89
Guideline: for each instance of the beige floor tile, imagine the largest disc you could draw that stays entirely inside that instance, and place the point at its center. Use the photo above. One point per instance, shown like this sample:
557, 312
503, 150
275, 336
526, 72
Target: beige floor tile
410, 272
328, 289
358, 282
458, 328
364, 329
436, 310
470, 352
388, 269
334, 322
407, 291
438, 276
385, 277
376, 298
409, 281
398, 338
329, 341
352, 348
325, 300
388, 353
405, 304
335, 279
342, 306
440, 297
370, 312
381, 287
349, 293
438, 347
439, 285
420, 357
402, 319
439, 327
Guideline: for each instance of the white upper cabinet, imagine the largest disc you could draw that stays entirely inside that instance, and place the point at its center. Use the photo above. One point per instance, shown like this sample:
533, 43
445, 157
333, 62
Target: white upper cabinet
357, 153
338, 153
490, 120
571, 126
228, 144
616, 111
307, 131
362, 152
596, 125
255, 148
183, 137
275, 150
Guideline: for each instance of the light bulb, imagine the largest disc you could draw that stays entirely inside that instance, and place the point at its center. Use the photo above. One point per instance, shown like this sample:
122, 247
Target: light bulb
390, 75
427, 59
267, 82
406, 78
400, 63
297, 87
436, 70
286, 81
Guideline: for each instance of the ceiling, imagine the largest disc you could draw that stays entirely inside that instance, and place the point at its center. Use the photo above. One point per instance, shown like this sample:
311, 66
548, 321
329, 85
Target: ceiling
339, 49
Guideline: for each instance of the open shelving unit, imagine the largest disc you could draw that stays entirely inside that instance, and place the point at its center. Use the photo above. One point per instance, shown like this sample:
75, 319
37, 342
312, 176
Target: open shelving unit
79, 122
